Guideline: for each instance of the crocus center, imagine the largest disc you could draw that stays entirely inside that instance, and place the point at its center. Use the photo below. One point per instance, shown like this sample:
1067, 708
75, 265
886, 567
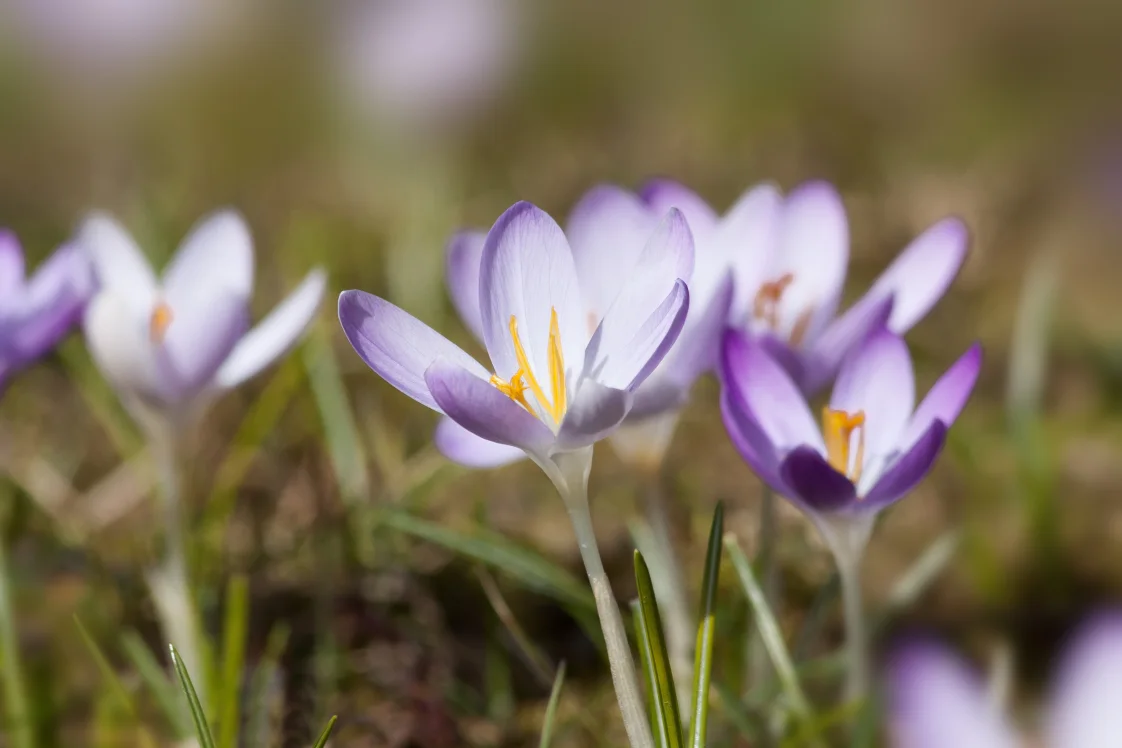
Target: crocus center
159, 322
767, 305
554, 404
838, 427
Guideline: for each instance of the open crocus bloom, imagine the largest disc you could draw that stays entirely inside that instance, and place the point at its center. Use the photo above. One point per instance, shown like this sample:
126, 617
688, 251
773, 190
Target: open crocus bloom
168, 345
789, 257
608, 232
872, 447
37, 311
935, 699
559, 381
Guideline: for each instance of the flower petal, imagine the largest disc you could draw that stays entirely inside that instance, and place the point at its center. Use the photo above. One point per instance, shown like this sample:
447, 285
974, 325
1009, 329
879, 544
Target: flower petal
526, 273
936, 701
119, 264
218, 251
769, 394
663, 194
119, 345
397, 346
273, 336
905, 472
1083, 705
816, 486
49, 304
657, 395
608, 231
751, 441
947, 397
698, 346
461, 446
877, 379
461, 274
480, 408
840, 338
921, 274
746, 240
200, 336
647, 315
595, 412
11, 262
813, 246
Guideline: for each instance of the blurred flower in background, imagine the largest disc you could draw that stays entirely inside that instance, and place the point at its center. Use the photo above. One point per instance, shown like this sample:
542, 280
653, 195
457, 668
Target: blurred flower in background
37, 311
935, 699
425, 63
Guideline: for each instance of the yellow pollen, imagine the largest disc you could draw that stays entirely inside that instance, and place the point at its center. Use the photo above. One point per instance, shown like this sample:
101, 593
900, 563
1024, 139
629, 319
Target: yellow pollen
838, 426
766, 304
524, 378
159, 322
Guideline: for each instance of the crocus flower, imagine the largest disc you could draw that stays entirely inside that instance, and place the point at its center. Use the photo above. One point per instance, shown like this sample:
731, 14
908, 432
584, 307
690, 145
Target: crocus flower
607, 231
559, 378
37, 312
170, 345
873, 445
935, 699
789, 257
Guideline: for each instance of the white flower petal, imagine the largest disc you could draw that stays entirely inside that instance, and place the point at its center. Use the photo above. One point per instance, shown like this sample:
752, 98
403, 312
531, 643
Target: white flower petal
218, 251
119, 264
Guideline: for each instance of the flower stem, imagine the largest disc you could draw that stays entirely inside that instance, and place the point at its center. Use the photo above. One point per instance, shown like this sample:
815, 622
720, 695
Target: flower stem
569, 472
856, 638
16, 704
170, 583
758, 664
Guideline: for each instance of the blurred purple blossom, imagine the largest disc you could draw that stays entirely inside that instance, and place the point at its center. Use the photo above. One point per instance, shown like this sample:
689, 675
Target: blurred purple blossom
36, 312
563, 379
935, 699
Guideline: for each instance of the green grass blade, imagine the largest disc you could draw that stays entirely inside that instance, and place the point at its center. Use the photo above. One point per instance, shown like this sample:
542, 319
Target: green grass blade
551, 707
323, 736
769, 630
669, 722
17, 704
106, 670
206, 738
161, 688
233, 661
648, 669
706, 628
265, 690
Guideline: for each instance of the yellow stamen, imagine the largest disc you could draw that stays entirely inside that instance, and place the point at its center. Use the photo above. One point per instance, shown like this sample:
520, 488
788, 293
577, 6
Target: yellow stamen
159, 322
838, 426
524, 378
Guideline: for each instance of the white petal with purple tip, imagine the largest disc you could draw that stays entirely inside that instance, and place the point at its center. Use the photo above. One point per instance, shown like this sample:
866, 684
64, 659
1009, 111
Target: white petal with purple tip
596, 410
947, 397
218, 251
920, 275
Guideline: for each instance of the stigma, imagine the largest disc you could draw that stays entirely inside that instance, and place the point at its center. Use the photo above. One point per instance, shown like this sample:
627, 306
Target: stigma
766, 306
159, 322
555, 403
838, 427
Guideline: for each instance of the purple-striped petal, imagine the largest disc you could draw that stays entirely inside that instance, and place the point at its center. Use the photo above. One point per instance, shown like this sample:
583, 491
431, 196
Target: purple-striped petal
1083, 710
608, 231
479, 407
905, 472
663, 194
461, 446
746, 241
11, 262
814, 484
462, 258
769, 394
750, 441
648, 314
841, 337
217, 252
595, 412
201, 334
526, 273
877, 379
935, 700
947, 397
399, 347
921, 274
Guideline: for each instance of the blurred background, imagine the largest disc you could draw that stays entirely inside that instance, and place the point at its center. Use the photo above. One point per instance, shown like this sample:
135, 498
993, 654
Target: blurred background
358, 135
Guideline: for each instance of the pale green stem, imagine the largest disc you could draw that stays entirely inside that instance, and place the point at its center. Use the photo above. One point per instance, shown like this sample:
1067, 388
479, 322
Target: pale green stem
16, 704
759, 665
856, 637
569, 473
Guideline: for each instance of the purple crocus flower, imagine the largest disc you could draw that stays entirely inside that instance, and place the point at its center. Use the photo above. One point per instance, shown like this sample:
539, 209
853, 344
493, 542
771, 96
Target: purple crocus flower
607, 231
562, 378
935, 699
789, 257
37, 312
170, 345
873, 445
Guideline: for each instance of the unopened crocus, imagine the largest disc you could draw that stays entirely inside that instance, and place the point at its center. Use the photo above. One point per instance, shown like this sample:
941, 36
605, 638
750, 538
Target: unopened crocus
558, 380
37, 311
870, 449
607, 231
170, 345
936, 699
789, 256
